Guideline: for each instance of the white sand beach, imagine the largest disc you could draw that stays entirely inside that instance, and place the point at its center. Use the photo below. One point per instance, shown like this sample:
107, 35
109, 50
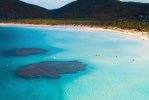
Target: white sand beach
132, 33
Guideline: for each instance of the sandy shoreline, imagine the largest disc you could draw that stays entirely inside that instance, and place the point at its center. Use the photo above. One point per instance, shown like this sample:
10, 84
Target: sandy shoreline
132, 33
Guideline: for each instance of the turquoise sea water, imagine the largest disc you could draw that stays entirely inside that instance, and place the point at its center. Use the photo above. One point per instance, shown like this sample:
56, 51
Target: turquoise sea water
107, 77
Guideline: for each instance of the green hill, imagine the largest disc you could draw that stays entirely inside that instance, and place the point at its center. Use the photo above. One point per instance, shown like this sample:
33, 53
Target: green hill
103, 9
92, 9
106, 13
16, 9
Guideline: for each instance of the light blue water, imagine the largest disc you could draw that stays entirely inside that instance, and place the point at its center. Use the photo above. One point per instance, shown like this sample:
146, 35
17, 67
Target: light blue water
106, 77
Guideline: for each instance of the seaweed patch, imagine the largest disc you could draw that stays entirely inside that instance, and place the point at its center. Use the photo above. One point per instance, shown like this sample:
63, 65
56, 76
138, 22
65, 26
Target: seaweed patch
51, 69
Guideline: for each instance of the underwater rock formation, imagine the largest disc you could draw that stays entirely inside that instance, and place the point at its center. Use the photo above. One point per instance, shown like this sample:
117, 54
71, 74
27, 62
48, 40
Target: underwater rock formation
25, 51
51, 69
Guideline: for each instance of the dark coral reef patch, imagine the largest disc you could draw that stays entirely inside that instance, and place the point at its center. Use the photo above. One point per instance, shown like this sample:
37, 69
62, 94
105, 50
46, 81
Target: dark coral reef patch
51, 69
24, 51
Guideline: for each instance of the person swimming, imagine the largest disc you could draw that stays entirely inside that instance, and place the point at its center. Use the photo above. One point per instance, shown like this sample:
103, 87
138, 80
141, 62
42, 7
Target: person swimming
97, 54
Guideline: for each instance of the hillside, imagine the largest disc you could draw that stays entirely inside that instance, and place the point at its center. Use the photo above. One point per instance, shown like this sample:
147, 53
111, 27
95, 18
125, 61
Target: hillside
86, 9
103, 9
103, 13
16, 9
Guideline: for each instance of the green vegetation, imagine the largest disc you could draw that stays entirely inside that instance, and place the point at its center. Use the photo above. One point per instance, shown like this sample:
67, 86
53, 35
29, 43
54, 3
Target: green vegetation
103, 13
17, 9
103, 9
139, 25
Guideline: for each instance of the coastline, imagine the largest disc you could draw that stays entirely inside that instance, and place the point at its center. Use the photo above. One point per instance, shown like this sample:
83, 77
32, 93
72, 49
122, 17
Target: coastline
132, 33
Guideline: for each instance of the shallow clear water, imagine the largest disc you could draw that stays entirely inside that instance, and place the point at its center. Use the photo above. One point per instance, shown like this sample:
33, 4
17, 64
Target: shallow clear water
107, 77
